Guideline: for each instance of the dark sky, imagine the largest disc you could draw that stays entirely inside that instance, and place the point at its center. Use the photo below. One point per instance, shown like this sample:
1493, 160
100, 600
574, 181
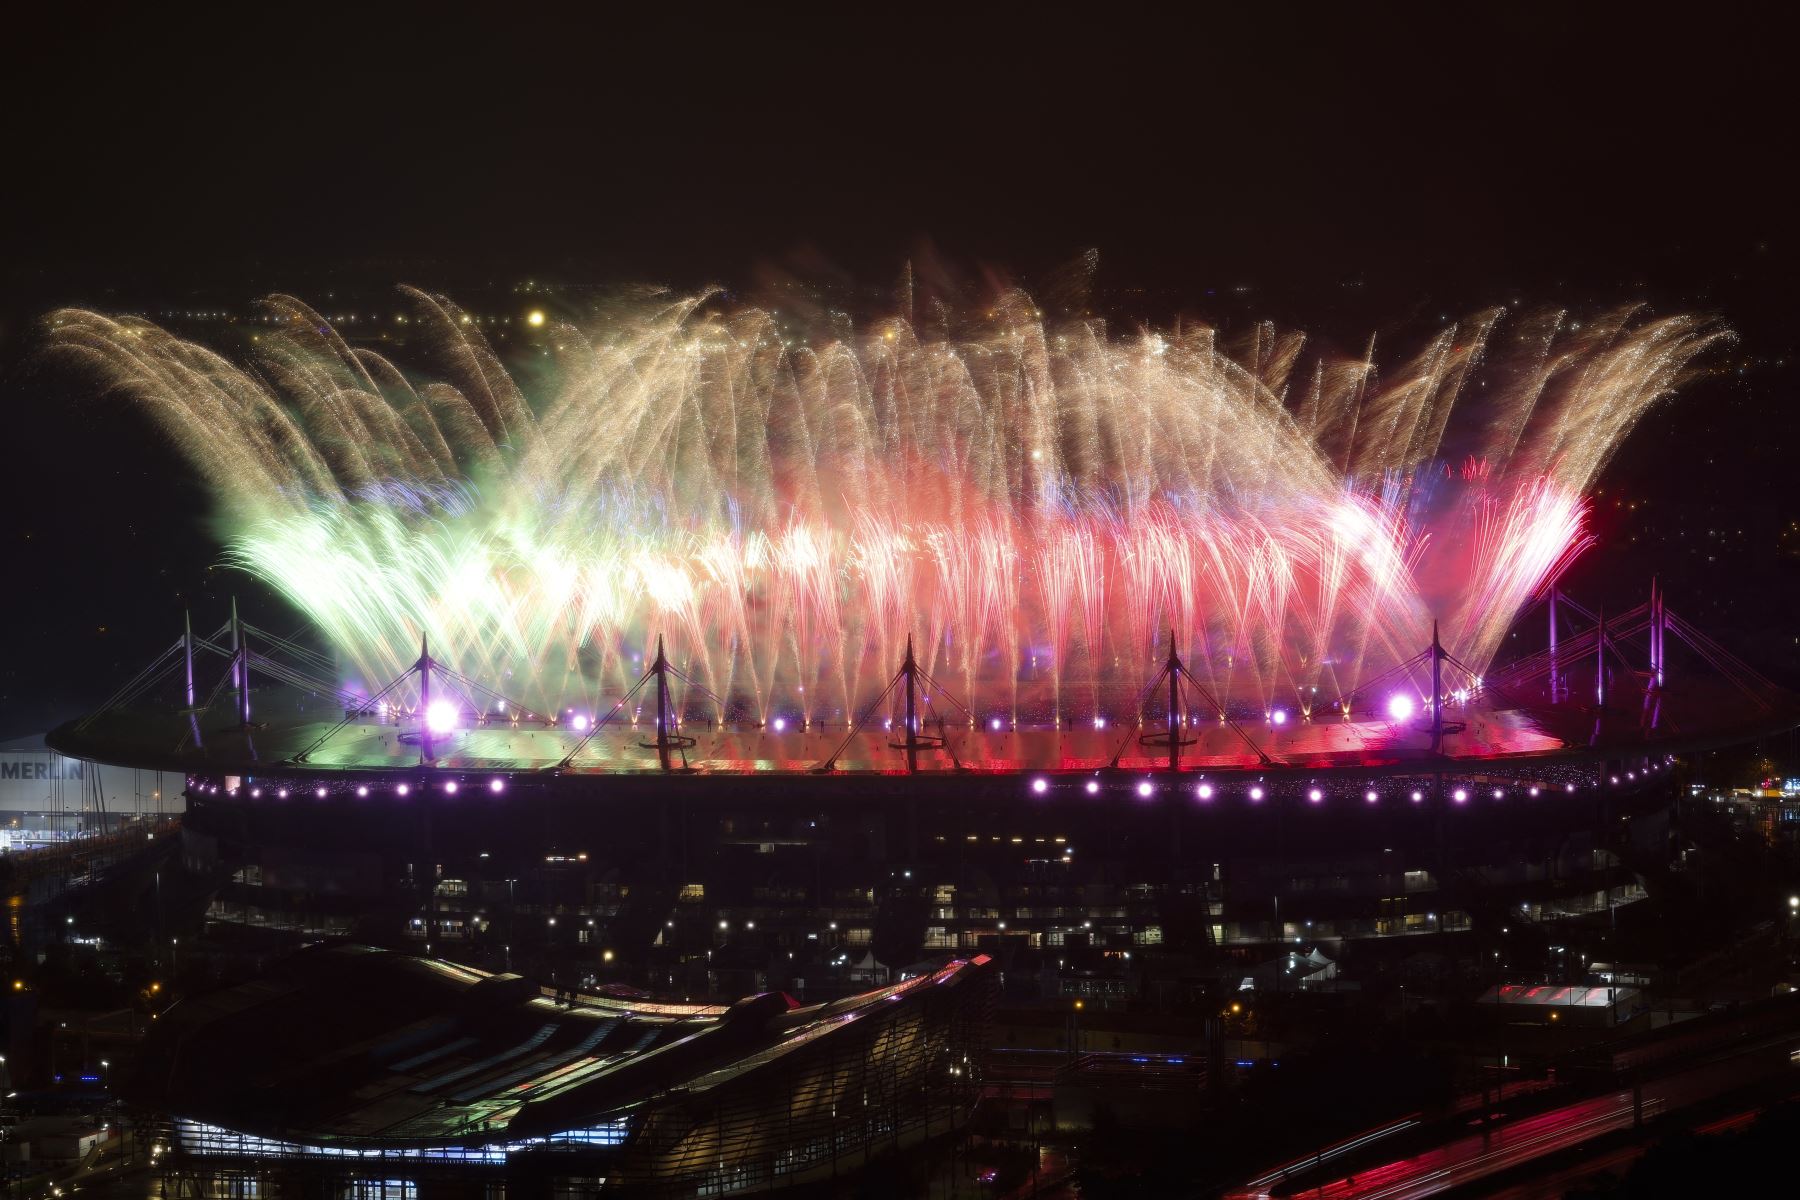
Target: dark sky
1357, 167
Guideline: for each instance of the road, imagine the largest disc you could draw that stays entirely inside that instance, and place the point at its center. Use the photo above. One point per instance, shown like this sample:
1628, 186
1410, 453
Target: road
1466, 1158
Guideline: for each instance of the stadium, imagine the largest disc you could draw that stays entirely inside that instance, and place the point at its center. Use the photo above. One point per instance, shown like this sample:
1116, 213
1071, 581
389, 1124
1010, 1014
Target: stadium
653, 847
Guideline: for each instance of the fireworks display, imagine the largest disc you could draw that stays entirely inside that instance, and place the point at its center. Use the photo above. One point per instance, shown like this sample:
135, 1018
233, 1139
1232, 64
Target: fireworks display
1037, 503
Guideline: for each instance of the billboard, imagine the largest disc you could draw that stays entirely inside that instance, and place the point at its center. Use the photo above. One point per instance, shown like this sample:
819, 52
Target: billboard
37, 780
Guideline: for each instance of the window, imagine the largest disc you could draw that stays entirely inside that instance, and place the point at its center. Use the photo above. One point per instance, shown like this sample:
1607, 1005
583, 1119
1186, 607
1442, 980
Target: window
577, 1187
691, 893
381, 1189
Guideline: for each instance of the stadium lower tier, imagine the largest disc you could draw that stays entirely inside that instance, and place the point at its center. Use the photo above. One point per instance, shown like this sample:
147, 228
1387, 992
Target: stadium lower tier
1078, 884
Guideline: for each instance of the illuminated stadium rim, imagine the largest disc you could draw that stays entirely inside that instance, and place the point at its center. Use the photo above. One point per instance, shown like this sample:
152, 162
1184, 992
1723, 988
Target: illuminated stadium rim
1316, 787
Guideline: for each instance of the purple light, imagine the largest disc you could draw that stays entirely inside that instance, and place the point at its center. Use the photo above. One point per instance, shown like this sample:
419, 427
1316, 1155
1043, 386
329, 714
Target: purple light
1093, 787
1204, 791
363, 791
1145, 789
1279, 716
1400, 708
780, 724
1371, 796
319, 792
1459, 795
1417, 797
1499, 794
281, 794
496, 785
1256, 794
1615, 779
440, 717
1315, 795
1534, 790
994, 724
1099, 722
580, 722
1040, 785
256, 793
402, 789
1569, 787
450, 786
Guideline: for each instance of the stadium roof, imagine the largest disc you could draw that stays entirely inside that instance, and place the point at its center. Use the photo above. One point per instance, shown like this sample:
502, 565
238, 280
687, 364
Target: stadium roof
349, 1047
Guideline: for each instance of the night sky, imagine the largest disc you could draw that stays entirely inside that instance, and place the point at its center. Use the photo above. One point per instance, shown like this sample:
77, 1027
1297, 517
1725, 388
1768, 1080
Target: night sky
1345, 174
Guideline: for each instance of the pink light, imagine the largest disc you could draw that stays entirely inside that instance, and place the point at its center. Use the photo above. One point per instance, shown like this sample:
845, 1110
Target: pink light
994, 724
450, 786
1256, 794
1371, 796
1400, 708
1279, 716
1459, 795
281, 794
1204, 791
319, 792
1569, 787
580, 722
1499, 794
1040, 785
1534, 790
1093, 787
363, 791
1145, 789
1315, 795
1417, 796
780, 724
1099, 722
402, 789
496, 785
256, 793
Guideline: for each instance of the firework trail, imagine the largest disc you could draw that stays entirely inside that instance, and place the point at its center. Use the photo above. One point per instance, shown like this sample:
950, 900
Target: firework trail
1038, 503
